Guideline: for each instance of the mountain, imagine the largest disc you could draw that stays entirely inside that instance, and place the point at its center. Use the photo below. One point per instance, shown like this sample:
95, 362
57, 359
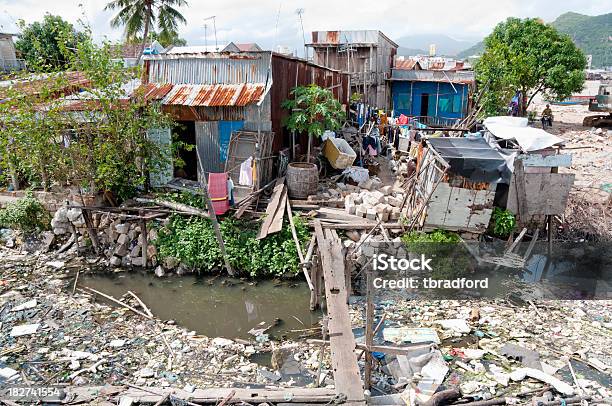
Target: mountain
419, 44
592, 34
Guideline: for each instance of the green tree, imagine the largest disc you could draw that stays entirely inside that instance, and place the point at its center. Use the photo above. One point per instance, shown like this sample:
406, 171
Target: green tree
531, 57
99, 143
140, 16
313, 110
46, 46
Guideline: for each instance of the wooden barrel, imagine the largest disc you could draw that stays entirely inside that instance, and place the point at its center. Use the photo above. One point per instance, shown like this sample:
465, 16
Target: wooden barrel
302, 180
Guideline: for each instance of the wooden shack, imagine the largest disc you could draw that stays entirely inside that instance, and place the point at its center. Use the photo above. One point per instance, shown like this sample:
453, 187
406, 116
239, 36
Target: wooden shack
455, 185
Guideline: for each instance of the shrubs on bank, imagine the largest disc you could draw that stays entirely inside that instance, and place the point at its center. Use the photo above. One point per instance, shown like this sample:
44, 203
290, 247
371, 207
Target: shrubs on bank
192, 241
26, 214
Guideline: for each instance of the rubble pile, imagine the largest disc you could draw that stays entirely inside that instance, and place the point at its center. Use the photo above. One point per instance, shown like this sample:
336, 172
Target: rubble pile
48, 334
384, 203
495, 348
123, 241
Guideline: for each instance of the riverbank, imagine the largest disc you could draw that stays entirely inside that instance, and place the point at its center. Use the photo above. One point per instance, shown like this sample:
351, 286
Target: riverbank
52, 335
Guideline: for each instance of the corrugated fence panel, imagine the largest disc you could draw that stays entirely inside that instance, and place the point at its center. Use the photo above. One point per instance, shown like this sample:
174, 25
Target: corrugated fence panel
208, 148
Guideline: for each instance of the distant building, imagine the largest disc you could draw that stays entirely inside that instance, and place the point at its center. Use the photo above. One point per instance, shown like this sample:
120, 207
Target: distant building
367, 55
130, 52
438, 92
248, 47
8, 54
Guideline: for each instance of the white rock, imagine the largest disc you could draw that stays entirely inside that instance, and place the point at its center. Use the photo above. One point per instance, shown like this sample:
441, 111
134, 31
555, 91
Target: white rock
117, 343
30, 304
221, 342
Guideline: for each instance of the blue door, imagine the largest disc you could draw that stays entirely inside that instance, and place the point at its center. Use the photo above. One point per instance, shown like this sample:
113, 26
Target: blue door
225, 132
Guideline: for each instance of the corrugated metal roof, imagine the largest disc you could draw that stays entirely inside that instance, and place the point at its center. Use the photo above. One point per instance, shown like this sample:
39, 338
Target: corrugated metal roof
371, 37
211, 95
464, 77
209, 69
407, 64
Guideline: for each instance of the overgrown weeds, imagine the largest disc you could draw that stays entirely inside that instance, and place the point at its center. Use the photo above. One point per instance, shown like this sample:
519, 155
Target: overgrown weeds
192, 241
26, 214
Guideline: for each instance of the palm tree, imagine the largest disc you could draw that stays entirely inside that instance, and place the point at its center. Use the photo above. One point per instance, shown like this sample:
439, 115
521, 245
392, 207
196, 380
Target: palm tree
139, 15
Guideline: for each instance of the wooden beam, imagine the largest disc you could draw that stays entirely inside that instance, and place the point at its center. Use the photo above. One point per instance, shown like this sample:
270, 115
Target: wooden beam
272, 208
347, 378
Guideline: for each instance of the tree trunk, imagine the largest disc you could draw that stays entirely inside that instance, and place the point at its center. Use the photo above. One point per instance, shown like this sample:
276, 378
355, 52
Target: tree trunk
14, 175
145, 34
308, 150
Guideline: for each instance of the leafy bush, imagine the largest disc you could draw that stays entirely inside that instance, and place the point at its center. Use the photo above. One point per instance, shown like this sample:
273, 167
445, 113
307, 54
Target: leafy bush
439, 236
26, 214
449, 259
192, 241
502, 222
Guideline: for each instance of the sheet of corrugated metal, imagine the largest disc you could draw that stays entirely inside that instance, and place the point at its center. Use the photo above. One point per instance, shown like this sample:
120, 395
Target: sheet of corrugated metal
207, 144
215, 95
210, 70
466, 77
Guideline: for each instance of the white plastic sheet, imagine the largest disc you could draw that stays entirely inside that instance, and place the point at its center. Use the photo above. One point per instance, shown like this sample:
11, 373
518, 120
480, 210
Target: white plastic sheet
515, 128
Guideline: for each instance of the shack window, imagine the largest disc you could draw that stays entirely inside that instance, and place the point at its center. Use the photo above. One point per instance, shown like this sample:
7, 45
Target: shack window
403, 101
449, 103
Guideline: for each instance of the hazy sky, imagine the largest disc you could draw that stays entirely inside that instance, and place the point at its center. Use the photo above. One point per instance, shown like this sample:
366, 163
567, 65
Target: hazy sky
256, 20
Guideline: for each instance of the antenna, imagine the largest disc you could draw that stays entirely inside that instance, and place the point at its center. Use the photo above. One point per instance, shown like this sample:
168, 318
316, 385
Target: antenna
299, 12
214, 19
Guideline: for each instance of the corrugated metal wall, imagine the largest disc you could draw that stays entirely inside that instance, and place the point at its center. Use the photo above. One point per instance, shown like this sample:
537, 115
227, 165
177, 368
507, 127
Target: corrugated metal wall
249, 68
207, 146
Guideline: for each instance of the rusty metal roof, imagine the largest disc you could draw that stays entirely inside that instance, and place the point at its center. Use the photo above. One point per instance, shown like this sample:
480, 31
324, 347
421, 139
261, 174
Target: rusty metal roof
407, 64
206, 95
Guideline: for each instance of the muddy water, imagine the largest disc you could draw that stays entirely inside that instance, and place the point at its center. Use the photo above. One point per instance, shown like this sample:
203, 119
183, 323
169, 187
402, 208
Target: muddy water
215, 306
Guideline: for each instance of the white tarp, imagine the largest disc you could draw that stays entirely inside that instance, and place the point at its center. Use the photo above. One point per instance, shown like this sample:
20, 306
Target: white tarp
515, 128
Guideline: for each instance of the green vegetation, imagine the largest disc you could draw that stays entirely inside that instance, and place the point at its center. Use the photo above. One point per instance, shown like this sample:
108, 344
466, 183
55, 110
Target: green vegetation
448, 258
530, 57
192, 241
190, 199
313, 110
502, 222
589, 33
26, 214
139, 16
103, 147
436, 236
47, 46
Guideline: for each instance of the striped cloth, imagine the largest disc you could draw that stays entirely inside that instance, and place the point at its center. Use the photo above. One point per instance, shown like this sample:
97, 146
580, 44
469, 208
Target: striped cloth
217, 190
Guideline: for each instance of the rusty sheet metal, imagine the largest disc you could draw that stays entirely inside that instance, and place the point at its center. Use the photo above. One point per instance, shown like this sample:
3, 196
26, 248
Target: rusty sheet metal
407, 64
62, 84
154, 91
215, 95
209, 69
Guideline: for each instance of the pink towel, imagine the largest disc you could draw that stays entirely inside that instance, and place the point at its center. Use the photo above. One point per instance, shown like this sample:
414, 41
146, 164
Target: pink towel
217, 190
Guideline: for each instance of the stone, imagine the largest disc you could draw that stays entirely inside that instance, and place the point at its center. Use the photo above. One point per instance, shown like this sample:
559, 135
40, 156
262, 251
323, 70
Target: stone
122, 228
123, 239
121, 250
159, 271
115, 261
353, 235
386, 190
136, 251
137, 261
145, 373
371, 214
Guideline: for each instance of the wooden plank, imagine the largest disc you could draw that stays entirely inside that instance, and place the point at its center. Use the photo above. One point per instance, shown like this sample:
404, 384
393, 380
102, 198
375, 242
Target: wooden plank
298, 247
151, 395
272, 207
564, 160
277, 221
369, 330
521, 194
547, 193
347, 378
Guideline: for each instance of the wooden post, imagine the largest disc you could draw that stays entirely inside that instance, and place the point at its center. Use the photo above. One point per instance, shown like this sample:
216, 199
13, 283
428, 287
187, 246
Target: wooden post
144, 240
92, 234
213, 215
369, 330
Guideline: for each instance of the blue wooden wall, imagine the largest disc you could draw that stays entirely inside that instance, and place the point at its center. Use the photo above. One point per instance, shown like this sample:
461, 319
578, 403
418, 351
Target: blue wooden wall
450, 101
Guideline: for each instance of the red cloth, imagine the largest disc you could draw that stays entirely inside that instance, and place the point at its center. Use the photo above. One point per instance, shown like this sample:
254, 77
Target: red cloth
217, 190
402, 120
